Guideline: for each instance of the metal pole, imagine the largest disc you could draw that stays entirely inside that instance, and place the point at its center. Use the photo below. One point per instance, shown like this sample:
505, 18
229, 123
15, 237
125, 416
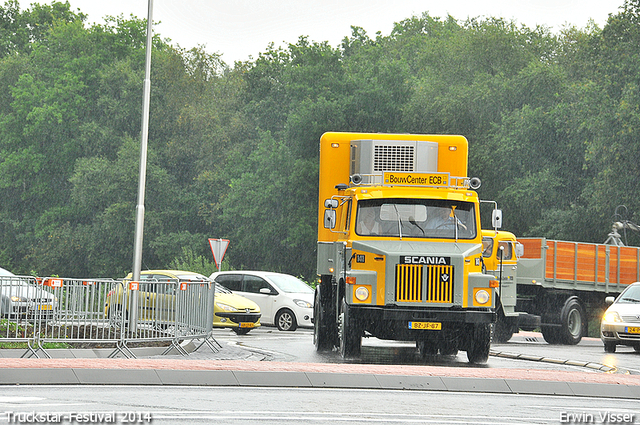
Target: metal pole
137, 252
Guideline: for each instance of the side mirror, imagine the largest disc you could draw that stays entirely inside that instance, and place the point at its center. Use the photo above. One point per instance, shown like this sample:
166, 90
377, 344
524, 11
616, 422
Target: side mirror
330, 219
331, 203
265, 291
519, 250
609, 300
496, 219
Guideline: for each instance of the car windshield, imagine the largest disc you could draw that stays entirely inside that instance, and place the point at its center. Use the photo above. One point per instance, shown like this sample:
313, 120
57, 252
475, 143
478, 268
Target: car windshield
416, 218
631, 295
195, 277
290, 284
4, 272
221, 289
164, 277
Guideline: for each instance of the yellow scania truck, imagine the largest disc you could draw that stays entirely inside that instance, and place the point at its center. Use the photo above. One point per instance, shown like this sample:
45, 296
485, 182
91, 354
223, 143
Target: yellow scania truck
400, 246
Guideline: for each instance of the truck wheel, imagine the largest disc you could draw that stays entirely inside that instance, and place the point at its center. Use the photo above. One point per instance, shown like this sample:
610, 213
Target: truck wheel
480, 344
449, 348
427, 349
573, 321
551, 334
502, 330
349, 334
321, 326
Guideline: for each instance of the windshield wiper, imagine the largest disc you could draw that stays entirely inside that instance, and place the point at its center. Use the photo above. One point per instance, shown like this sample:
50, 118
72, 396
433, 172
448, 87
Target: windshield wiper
413, 221
395, 207
633, 300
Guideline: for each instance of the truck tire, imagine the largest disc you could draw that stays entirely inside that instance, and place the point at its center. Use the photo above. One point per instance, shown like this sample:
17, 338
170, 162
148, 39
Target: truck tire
502, 332
551, 334
349, 334
449, 348
573, 322
480, 344
502, 329
322, 325
426, 349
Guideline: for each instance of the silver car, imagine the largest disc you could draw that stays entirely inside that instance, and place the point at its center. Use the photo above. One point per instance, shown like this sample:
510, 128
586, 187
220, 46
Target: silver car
621, 322
23, 297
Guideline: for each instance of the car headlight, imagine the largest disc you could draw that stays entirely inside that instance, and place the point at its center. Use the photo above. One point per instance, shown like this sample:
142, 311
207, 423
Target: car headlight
303, 303
17, 299
482, 296
611, 317
226, 307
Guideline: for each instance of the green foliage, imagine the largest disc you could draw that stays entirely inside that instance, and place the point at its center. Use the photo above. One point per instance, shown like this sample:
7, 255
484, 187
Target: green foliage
190, 261
551, 118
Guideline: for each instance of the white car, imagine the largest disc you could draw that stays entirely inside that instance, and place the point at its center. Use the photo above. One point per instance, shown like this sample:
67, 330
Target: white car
22, 297
620, 324
285, 300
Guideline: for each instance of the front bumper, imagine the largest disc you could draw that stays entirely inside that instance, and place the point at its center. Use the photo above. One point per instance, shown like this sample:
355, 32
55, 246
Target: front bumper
619, 333
30, 311
400, 323
304, 317
442, 315
234, 319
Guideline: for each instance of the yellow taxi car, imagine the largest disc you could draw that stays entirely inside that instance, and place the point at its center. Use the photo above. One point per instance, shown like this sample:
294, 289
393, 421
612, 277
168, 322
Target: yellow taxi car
156, 300
235, 311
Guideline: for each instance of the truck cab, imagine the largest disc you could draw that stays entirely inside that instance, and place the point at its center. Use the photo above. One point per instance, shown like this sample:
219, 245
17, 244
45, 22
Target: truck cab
400, 246
500, 252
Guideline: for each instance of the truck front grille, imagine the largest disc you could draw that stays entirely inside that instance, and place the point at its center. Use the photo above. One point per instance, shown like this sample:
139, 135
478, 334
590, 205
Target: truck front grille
413, 286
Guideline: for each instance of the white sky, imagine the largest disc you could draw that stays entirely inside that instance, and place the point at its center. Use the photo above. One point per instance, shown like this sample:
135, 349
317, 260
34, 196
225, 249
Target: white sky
239, 29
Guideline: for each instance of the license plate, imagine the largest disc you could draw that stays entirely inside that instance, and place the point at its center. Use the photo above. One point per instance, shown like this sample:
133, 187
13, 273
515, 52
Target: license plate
632, 330
246, 325
431, 326
45, 307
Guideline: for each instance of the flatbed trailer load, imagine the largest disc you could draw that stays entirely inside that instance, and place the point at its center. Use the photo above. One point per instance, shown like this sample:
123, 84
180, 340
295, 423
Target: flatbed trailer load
578, 266
563, 283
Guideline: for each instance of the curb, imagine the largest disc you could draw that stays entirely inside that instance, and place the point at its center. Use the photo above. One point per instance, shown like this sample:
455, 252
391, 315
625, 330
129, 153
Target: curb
589, 365
302, 379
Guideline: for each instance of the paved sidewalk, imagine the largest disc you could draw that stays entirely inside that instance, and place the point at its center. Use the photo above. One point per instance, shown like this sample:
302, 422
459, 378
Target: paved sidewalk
234, 366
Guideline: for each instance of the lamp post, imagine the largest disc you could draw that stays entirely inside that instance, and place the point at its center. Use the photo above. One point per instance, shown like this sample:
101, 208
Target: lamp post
137, 251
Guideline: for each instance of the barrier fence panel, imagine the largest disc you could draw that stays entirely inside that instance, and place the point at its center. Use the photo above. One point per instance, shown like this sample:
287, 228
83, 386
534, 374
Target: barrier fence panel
23, 303
101, 311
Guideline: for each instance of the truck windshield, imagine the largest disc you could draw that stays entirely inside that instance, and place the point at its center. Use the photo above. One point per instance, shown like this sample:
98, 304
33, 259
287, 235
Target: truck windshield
416, 218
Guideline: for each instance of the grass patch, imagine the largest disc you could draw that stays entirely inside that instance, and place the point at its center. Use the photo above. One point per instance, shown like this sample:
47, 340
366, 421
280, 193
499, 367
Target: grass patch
24, 346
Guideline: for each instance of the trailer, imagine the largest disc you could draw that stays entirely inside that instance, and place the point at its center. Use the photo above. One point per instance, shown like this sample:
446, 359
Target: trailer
563, 283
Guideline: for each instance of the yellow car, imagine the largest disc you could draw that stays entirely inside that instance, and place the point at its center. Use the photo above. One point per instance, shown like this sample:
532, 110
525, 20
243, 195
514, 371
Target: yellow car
235, 311
156, 300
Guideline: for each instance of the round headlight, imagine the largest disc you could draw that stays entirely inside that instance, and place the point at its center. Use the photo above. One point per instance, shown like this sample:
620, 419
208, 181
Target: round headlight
482, 296
362, 293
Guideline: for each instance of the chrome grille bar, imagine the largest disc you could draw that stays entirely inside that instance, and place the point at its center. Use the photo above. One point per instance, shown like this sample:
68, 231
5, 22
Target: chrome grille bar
410, 283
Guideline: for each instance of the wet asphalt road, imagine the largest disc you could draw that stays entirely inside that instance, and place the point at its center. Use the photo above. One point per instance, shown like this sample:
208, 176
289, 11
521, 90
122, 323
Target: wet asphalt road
298, 347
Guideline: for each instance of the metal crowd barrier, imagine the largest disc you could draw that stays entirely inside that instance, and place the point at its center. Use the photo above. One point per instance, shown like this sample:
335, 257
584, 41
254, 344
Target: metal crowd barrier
105, 311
